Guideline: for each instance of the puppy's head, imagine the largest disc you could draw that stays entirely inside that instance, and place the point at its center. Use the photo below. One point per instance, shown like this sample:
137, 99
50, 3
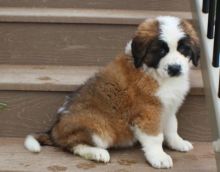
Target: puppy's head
166, 45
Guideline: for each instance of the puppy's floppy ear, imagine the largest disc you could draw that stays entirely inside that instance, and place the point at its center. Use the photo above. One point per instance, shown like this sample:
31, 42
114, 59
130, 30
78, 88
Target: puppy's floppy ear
194, 41
139, 48
146, 32
195, 55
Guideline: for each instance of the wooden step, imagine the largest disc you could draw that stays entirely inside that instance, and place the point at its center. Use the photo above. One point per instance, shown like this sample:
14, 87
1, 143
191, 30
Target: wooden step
88, 16
51, 159
62, 78
34, 93
154, 5
68, 36
35, 111
44, 78
62, 44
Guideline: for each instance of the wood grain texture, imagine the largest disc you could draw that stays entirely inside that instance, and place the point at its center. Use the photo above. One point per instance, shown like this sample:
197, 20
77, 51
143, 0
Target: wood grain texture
165, 5
62, 44
51, 159
62, 78
44, 78
194, 119
72, 15
217, 156
28, 112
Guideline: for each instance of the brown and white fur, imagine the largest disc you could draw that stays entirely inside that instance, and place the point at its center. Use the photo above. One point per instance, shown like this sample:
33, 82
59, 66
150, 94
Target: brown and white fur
134, 98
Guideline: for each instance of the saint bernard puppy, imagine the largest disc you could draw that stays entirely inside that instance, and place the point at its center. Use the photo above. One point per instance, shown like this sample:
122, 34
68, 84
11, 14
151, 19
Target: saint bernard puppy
133, 99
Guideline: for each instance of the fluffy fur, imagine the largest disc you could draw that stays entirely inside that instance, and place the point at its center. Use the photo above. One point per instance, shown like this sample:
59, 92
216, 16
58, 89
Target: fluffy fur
134, 98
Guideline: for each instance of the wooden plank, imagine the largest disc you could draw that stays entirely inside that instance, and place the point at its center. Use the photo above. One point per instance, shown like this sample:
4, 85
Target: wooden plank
62, 44
97, 16
196, 82
62, 78
163, 5
28, 112
194, 119
217, 156
44, 78
51, 159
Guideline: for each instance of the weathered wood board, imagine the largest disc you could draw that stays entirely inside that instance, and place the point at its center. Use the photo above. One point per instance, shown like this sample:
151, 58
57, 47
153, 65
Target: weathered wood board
62, 44
63, 78
163, 5
13, 157
68, 37
28, 112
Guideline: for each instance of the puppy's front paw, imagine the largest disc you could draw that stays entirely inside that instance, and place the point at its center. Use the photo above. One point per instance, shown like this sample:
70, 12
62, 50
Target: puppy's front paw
177, 143
159, 159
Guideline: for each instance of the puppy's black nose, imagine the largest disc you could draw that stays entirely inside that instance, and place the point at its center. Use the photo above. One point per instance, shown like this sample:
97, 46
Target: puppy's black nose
174, 70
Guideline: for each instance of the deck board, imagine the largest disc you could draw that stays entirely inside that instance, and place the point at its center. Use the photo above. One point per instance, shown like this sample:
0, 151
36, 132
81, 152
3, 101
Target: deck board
62, 78
13, 157
35, 111
71, 15
155, 5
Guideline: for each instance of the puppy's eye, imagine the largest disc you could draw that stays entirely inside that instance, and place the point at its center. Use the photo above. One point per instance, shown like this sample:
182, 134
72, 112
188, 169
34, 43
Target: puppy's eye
162, 52
184, 49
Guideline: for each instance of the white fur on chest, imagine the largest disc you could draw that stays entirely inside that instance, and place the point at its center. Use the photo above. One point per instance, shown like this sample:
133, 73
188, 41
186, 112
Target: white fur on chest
172, 92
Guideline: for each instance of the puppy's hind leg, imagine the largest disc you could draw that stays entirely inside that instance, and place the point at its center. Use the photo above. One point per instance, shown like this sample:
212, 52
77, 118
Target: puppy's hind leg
92, 153
82, 142
96, 153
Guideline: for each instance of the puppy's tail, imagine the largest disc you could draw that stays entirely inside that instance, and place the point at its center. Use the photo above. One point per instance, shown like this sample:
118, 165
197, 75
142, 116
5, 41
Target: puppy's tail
33, 142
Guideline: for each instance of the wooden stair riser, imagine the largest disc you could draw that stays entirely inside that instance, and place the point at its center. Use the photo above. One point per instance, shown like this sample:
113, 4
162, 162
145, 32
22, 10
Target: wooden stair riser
62, 44
29, 112
56, 36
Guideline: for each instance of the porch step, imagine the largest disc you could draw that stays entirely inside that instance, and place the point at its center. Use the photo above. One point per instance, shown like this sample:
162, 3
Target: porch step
62, 78
35, 111
70, 36
155, 5
44, 78
88, 16
34, 93
122, 160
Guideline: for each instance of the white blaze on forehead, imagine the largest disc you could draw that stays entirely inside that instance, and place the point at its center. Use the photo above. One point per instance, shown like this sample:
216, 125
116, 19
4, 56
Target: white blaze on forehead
170, 30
